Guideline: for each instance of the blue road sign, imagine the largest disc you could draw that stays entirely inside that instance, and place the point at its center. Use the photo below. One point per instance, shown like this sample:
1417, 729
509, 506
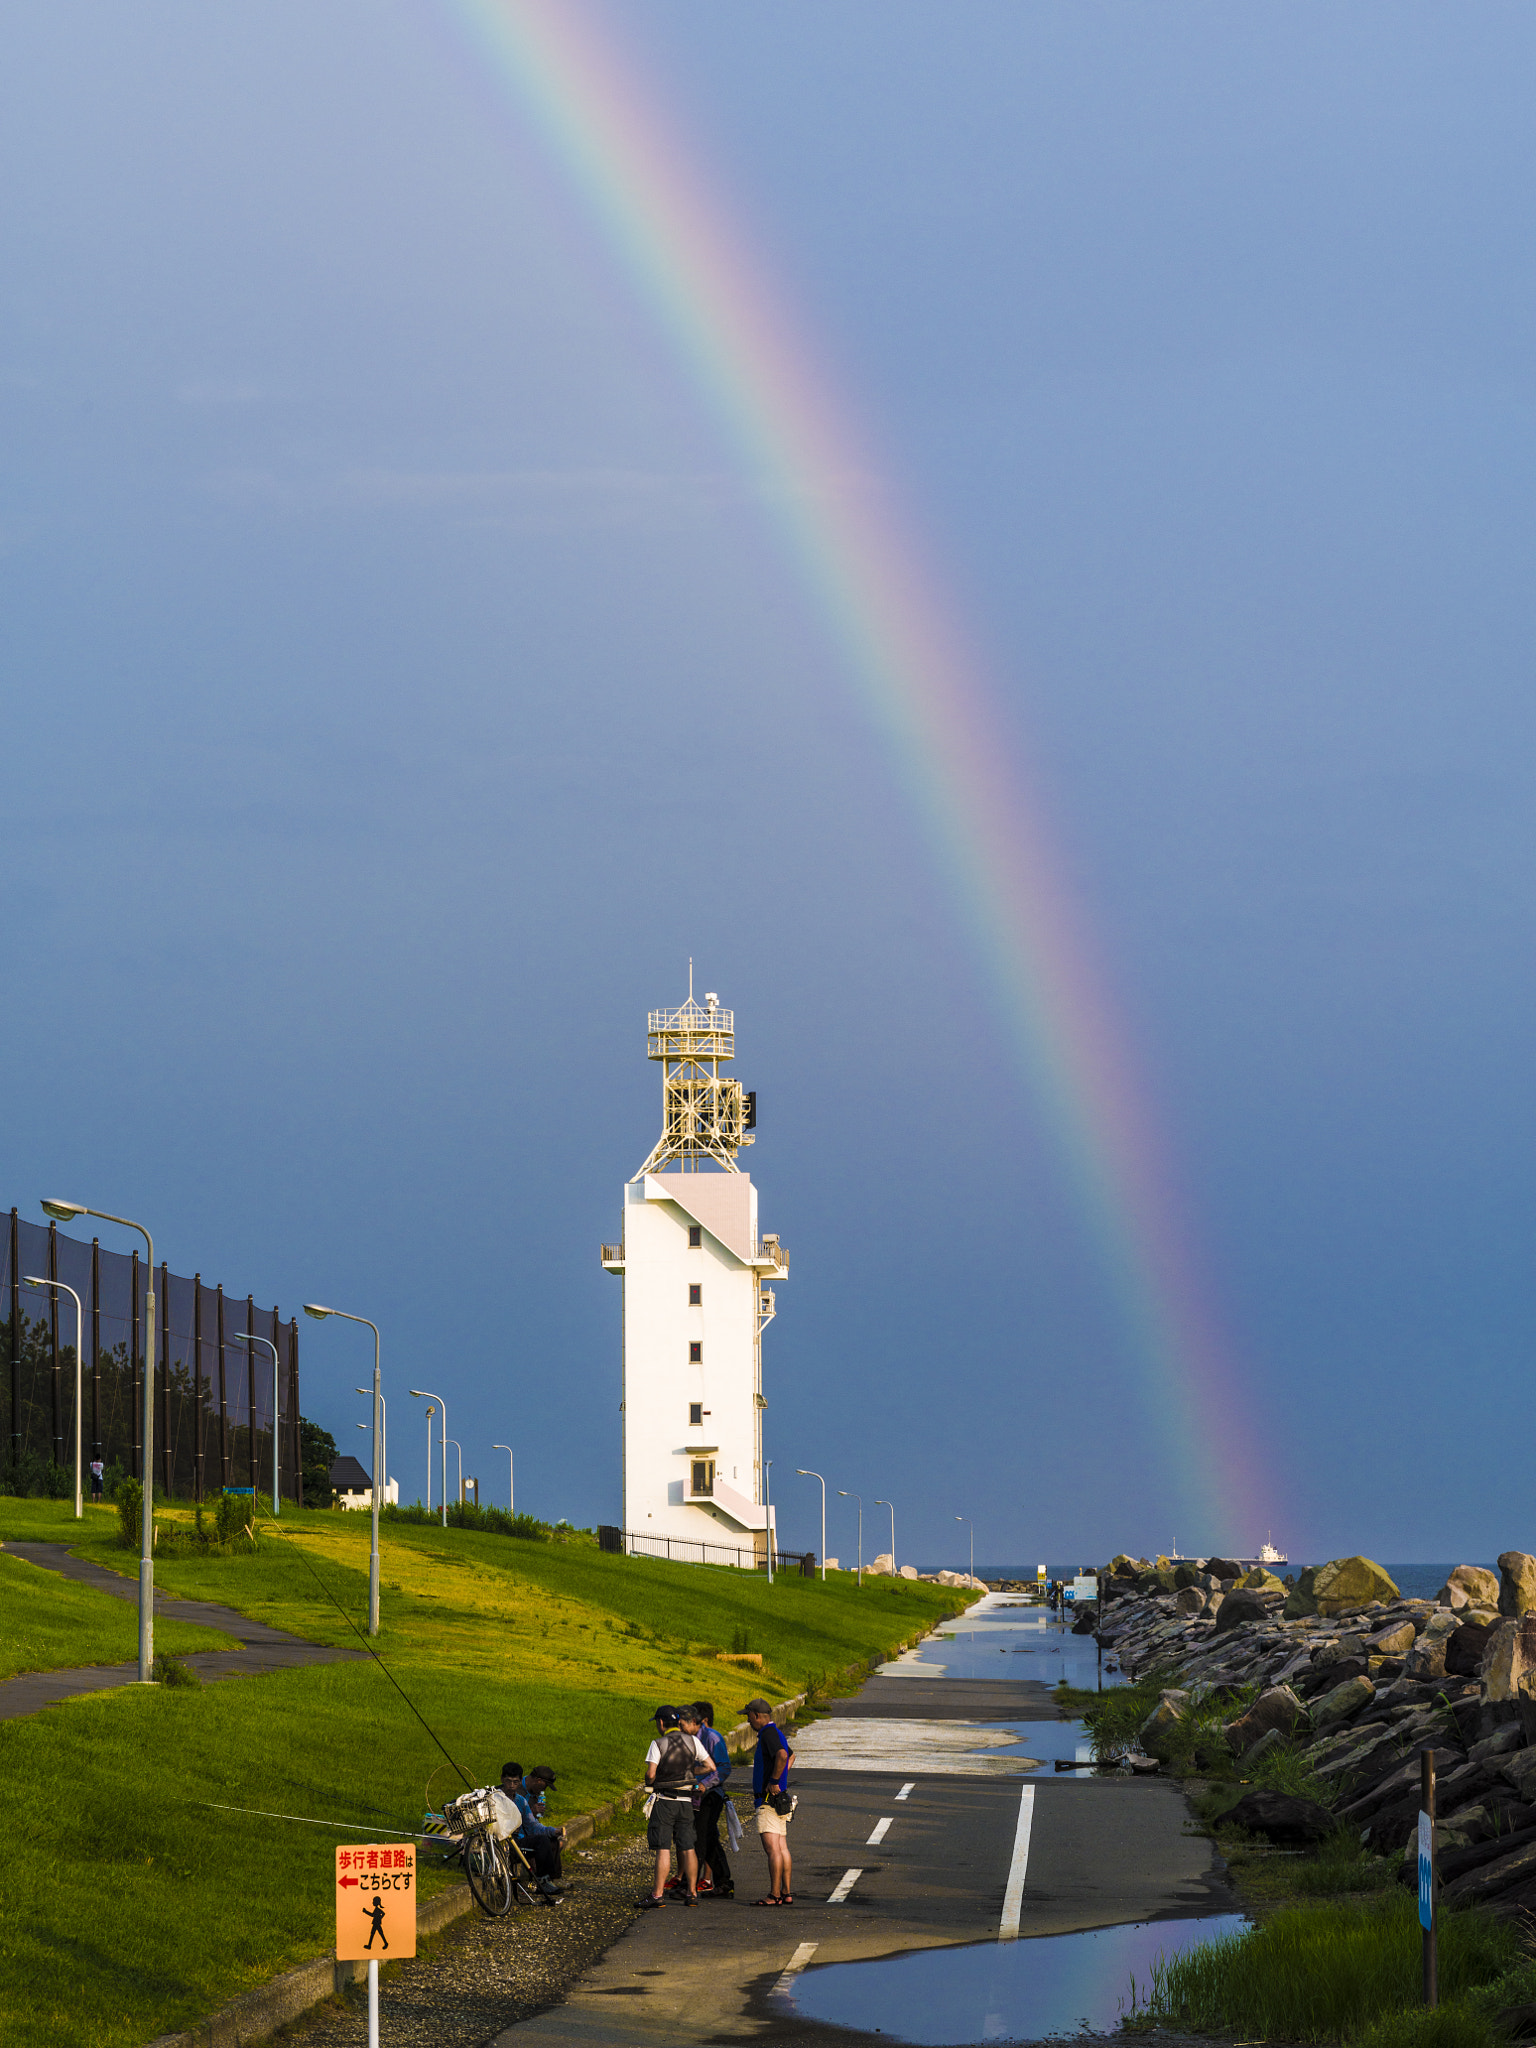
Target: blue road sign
1426, 1872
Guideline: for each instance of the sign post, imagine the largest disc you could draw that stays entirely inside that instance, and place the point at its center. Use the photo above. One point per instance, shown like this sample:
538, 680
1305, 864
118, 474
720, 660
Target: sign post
375, 1911
1427, 1875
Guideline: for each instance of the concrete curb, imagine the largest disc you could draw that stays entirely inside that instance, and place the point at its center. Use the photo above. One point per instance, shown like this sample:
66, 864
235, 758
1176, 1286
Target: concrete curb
255, 2015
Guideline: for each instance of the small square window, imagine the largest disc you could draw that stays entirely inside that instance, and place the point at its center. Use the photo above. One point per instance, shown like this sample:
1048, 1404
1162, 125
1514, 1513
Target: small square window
695, 1414
695, 1354
695, 1237
695, 1295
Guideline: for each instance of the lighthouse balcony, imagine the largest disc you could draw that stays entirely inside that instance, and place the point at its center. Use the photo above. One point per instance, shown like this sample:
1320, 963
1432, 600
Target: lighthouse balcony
770, 1257
612, 1256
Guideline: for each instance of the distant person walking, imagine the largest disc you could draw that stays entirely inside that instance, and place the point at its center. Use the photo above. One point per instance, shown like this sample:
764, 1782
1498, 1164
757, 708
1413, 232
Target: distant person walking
773, 1800
672, 1763
715, 1880
98, 1473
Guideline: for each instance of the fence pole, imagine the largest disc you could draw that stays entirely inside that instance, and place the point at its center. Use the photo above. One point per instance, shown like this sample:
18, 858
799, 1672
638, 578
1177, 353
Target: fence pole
167, 1447
223, 1405
250, 1384
95, 1347
15, 1338
1431, 1945
53, 1343
277, 1406
138, 1410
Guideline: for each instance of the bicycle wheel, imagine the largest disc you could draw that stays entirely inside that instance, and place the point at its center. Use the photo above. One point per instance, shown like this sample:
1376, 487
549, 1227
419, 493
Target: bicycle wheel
489, 1879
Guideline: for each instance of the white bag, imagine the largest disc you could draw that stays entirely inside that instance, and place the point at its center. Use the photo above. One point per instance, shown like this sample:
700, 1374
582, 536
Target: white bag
732, 1825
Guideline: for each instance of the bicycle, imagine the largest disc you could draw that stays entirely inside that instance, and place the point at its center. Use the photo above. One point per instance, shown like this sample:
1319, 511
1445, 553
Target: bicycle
495, 1880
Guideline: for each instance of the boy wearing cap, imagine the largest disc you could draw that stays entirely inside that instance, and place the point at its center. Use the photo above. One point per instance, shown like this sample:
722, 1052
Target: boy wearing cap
770, 1792
672, 1763
714, 1871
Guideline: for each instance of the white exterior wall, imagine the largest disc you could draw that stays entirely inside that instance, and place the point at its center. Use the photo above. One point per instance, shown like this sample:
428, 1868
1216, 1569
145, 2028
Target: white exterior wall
659, 1380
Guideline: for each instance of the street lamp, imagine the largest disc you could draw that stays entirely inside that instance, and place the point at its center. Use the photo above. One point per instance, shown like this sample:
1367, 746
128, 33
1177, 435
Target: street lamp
972, 1527
768, 1511
65, 1212
244, 1337
422, 1394
383, 1432
79, 1345
886, 1504
313, 1308
804, 1474
844, 1494
508, 1449
459, 1451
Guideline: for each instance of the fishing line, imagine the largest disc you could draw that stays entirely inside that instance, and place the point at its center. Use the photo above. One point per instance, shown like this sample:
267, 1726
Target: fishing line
348, 1826
373, 1653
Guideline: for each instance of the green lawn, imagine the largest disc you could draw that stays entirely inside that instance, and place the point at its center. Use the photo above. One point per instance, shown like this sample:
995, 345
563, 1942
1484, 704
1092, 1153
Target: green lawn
48, 1624
131, 1906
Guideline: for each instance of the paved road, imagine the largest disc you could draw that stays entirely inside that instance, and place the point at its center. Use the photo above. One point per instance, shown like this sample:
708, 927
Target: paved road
1089, 1854
262, 1647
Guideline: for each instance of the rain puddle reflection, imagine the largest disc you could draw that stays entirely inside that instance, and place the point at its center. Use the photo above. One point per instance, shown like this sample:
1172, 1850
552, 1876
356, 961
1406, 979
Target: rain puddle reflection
1028, 1990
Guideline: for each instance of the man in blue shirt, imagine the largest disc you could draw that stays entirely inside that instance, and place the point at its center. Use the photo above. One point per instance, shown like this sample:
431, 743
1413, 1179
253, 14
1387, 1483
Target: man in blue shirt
540, 1844
770, 1794
715, 1880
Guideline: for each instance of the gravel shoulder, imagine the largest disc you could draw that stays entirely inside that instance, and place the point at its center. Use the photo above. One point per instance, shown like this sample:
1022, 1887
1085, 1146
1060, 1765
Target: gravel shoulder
481, 1976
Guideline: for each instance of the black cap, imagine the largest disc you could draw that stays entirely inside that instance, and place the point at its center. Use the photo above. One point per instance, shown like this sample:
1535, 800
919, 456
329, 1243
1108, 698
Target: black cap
543, 1771
758, 1707
667, 1716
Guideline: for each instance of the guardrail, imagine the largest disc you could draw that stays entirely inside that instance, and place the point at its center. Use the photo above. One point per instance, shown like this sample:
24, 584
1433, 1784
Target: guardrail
692, 1550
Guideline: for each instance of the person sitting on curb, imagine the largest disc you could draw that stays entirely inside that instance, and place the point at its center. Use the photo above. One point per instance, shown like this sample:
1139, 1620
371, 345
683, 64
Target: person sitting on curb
672, 1763
772, 1798
715, 1880
540, 1844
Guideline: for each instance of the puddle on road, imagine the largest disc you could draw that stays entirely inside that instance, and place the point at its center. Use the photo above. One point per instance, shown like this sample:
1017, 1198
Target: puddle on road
1026, 1990
1037, 1649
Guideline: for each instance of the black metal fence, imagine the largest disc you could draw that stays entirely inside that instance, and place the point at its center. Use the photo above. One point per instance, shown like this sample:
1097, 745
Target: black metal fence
213, 1396
693, 1550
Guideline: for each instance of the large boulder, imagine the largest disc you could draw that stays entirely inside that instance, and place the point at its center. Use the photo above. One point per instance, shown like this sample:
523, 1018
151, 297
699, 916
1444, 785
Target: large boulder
1347, 1583
1161, 1731
1261, 1581
1299, 1601
1238, 1606
1466, 1648
1185, 1575
1223, 1568
1277, 1708
1293, 1822
1510, 1653
1344, 1701
1470, 1585
1347, 1648
1189, 1601
880, 1567
1396, 1640
1427, 1657
1517, 1583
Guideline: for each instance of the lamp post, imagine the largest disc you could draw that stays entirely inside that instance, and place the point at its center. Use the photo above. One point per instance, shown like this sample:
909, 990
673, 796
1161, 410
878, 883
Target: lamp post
383, 1434
459, 1452
804, 1474
79, 1344
424, 1394
431, 1411
64, 1212
972, 1527
508, 1449
886, 1504
844, 1494
244, 1337
313, 1308
768, 1511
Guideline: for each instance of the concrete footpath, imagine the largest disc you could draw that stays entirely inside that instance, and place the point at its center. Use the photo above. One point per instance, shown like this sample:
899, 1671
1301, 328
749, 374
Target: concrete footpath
895, 1860
262, 1648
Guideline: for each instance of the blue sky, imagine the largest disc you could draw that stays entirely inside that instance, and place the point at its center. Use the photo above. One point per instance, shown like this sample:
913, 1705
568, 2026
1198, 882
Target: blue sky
404, 676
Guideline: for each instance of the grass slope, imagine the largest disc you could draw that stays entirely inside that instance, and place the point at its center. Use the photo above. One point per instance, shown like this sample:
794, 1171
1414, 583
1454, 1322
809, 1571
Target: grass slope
49, 1624
129, 1905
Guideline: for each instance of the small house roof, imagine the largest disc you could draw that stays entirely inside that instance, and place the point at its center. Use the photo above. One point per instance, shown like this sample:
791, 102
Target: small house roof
348, 1476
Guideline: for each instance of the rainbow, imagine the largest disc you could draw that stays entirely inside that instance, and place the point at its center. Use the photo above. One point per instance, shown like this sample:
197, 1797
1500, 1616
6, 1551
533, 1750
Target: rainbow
922, 683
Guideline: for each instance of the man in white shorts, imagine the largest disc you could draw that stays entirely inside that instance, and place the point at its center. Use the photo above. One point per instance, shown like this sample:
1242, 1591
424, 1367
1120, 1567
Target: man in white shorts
672, 1763
771, 1797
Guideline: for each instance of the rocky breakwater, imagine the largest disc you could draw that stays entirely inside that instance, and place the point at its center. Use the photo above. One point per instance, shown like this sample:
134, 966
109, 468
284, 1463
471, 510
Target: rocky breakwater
1353, 1683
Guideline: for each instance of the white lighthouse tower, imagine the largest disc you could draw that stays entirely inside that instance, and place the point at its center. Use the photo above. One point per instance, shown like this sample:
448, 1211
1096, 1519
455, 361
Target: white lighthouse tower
696, 1299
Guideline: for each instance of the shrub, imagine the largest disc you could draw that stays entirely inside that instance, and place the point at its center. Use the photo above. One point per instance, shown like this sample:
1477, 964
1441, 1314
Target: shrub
171, 1671
130, 1511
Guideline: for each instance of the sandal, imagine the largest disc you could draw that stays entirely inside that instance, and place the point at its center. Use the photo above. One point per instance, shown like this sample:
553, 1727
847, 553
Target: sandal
769, 1901
650, 1903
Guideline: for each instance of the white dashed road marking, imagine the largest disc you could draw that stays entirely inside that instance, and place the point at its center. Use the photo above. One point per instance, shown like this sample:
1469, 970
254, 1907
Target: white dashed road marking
1013, 1897
784, 1984
848, 1880
909, 1787
879, 1835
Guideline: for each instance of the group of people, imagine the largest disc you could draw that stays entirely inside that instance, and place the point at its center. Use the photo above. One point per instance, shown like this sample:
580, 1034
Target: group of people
686, 1769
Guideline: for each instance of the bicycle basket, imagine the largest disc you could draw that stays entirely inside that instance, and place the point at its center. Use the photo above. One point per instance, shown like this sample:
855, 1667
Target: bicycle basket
471, 1810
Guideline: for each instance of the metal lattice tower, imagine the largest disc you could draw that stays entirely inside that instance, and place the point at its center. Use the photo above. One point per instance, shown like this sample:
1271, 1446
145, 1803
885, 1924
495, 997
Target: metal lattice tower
704, 1113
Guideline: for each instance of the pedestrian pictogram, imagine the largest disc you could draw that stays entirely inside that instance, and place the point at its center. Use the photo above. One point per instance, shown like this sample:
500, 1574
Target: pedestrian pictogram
375, 1902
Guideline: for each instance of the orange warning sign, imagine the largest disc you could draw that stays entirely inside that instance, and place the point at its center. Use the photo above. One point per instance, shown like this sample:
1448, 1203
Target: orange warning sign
375, 1902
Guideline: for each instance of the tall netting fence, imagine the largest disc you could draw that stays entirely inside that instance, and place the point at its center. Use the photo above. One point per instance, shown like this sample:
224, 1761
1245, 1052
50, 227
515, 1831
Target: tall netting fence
215, 1405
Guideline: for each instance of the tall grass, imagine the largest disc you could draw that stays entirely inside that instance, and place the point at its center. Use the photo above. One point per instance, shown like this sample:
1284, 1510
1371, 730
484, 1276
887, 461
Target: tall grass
1345, 1972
